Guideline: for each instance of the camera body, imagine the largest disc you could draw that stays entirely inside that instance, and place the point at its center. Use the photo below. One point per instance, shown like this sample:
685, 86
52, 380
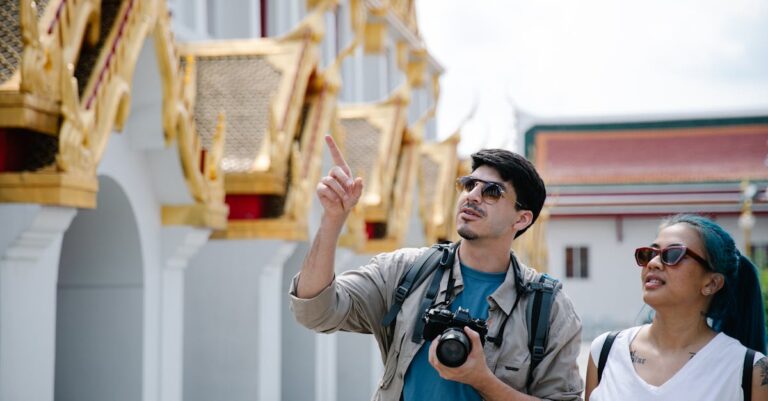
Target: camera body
454, 346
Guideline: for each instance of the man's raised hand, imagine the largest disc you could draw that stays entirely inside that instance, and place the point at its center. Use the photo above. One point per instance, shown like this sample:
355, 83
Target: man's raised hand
338, 191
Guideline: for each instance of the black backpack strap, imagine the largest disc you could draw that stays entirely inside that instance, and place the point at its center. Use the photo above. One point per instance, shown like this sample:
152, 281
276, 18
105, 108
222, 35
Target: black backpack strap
417, 272
746, 375
426, 302
445, 263
607, 344
537, 314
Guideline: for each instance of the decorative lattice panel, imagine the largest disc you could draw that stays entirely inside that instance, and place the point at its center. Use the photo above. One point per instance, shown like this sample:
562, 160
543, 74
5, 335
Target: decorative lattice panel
10, 39
243, 88
361, 145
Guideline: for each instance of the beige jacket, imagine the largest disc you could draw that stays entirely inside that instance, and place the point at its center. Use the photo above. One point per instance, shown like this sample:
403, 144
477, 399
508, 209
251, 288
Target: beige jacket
358, 299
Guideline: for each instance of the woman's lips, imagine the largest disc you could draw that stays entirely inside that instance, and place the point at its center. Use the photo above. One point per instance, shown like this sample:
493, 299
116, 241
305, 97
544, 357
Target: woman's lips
653, 282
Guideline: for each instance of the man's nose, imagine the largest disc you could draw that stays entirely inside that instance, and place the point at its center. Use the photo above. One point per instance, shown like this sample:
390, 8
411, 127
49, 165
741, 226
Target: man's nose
476, 194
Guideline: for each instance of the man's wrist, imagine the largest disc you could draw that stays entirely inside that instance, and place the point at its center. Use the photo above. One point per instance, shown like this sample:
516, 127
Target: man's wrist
486, 381
492, 388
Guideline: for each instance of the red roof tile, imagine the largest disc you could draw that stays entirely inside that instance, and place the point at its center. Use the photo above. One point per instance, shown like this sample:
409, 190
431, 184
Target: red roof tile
666, 155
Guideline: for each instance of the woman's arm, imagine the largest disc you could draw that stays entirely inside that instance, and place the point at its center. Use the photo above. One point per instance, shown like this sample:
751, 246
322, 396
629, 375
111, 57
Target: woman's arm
591, 378
760, 379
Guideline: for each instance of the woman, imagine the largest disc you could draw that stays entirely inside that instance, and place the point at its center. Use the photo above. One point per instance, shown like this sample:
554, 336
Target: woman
708, 310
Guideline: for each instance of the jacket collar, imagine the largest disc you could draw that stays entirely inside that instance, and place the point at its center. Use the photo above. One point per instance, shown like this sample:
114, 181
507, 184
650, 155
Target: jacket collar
518, 277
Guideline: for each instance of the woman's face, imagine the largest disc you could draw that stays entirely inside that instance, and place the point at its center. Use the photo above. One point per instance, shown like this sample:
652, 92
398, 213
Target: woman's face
683, 284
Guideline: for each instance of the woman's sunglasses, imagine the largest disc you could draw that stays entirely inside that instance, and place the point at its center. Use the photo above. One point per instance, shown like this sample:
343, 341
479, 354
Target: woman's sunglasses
491, 191
670, 255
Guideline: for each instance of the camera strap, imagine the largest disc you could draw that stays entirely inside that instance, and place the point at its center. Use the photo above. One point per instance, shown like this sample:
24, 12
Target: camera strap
519, 289
446, 263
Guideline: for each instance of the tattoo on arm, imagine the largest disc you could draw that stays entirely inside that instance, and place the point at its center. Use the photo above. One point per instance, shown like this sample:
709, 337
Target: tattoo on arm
762, 365
636, 358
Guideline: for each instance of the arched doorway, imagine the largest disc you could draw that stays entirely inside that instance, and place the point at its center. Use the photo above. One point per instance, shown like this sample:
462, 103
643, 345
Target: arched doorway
100, 303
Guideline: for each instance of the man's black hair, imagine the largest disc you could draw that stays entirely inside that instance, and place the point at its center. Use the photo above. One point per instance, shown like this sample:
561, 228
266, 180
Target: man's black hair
516, 169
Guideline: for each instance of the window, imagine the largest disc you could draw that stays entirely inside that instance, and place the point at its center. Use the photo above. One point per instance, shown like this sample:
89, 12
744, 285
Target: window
576, 262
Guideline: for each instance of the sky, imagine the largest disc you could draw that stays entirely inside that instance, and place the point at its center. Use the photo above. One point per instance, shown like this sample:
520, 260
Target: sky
607, 59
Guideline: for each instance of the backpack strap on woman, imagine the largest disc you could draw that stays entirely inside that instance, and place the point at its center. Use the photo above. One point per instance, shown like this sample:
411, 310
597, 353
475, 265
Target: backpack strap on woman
607, 344
746, 374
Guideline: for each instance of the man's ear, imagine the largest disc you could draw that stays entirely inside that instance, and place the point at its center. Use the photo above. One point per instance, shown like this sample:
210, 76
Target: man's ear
524, 219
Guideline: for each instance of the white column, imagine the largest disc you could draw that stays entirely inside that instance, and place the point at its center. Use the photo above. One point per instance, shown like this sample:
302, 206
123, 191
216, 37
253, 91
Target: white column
271, 294
325, 368
180, 244
29, 269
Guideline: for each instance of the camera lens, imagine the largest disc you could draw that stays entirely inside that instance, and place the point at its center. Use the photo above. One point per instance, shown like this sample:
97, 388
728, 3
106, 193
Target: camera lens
453, 347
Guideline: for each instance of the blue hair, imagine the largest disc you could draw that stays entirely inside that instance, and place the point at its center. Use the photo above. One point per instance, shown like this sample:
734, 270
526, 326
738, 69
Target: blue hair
737, 309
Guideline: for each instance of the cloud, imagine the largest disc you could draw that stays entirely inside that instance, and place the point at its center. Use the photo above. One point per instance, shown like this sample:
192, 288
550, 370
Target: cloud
594, 57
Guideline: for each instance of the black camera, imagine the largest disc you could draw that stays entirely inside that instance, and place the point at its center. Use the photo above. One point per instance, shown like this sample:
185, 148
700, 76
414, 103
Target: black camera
454, 346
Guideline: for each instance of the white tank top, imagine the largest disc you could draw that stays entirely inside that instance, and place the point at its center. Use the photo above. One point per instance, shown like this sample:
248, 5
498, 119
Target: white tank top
713, 374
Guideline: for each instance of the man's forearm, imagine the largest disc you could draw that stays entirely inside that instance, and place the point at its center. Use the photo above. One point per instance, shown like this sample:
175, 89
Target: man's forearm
317, 270
493, 389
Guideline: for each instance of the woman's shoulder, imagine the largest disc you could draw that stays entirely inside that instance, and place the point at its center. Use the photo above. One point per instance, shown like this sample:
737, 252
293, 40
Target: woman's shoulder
729, 344
620, 335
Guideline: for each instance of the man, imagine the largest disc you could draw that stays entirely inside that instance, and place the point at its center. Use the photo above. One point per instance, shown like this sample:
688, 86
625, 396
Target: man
499, 200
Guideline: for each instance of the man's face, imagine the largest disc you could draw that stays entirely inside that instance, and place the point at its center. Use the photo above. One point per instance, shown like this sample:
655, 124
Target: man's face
479, 217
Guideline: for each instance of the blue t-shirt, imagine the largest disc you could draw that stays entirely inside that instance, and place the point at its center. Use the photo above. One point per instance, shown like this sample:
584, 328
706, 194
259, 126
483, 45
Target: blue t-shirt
422, 382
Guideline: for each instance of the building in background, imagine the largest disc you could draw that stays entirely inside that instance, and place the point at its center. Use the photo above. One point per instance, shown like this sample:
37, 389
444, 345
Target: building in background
609, 185
158, 161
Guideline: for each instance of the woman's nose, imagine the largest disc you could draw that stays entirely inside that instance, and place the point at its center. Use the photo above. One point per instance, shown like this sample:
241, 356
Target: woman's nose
655, 262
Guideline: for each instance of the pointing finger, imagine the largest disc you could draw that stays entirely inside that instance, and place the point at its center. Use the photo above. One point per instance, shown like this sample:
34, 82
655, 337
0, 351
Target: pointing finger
338, 159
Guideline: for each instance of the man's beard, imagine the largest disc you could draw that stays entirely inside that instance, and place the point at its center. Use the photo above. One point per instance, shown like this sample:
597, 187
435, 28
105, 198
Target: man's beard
467, 234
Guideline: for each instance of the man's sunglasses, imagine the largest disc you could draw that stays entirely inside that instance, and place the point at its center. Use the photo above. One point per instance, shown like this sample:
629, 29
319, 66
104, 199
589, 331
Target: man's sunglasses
491, 191
670, 255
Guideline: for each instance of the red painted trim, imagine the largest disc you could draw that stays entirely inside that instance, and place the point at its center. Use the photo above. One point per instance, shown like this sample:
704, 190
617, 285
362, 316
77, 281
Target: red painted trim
13, 150
245, 207
702, 202
203, 152
5, 151
112, 51
692, 192
645, 215
56, 16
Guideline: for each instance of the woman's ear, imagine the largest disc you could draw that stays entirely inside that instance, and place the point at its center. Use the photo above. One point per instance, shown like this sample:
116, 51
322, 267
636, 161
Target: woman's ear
714, 283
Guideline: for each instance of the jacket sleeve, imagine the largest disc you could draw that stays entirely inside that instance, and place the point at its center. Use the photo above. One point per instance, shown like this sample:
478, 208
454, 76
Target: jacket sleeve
557, 376
357, 299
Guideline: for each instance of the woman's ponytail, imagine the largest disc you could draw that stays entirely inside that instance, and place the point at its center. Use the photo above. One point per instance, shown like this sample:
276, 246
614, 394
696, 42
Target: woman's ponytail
744, 320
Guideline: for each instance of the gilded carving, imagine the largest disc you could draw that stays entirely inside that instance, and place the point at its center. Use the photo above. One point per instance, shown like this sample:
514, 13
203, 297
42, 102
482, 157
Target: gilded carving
437, 195
52, 45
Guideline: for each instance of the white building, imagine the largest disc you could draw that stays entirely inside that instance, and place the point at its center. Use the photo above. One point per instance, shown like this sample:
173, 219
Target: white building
610, 184
157, 171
